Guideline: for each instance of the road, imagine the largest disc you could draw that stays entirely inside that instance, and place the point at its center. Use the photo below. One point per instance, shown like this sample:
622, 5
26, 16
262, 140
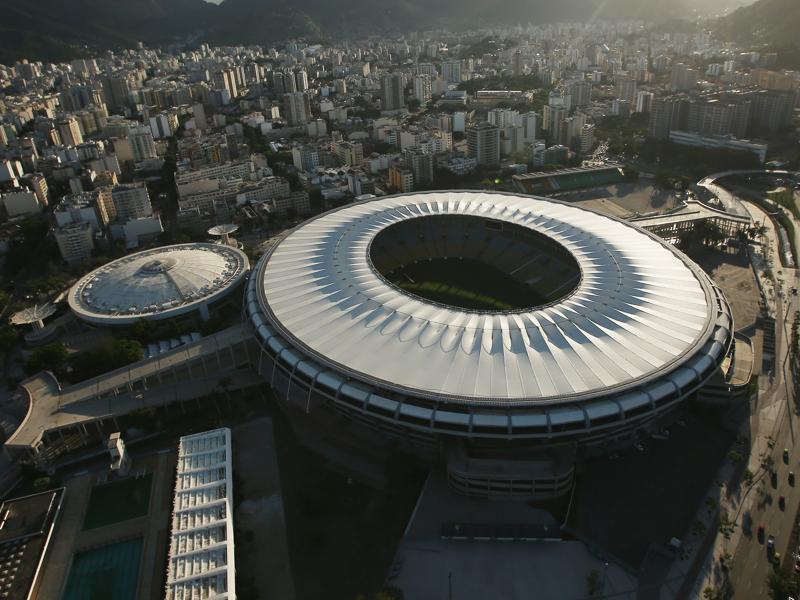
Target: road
776, 418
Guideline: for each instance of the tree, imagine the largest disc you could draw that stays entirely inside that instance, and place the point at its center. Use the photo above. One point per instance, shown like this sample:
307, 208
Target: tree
52, 357
142, 330
594, 584
630, 173
112, 355
781, 584
662, 180
8, 338
413, 105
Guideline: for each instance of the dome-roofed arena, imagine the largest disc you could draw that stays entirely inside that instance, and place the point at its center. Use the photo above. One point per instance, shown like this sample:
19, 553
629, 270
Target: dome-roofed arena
158, 284
481, 320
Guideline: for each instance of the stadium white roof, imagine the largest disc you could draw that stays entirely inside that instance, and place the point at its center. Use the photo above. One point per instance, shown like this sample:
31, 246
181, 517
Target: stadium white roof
641, 308
201, 550
160, 283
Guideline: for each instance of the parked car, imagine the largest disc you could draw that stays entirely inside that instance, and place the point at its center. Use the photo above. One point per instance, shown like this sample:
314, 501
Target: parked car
791, 477
782, 503
786, 455
760, 534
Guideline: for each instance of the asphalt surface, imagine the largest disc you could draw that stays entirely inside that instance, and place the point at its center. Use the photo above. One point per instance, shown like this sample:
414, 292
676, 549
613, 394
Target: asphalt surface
751, 565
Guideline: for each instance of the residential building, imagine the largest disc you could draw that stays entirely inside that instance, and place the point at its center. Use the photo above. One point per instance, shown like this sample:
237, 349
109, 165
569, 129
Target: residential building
392, 88
422, 88
131, 201
421, 165
400, 179
75, 241
305, 158
719, 142
69, 130
142, 144
296, 108
483, 143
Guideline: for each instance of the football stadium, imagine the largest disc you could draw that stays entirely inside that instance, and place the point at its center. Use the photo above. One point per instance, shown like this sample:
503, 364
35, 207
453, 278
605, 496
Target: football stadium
502, 334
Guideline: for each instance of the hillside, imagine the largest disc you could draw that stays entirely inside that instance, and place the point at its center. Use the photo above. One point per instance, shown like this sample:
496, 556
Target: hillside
775, 22
58, 30
54, 30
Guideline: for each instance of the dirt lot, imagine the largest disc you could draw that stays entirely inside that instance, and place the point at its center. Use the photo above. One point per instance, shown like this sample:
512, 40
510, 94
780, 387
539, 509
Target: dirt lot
732, 273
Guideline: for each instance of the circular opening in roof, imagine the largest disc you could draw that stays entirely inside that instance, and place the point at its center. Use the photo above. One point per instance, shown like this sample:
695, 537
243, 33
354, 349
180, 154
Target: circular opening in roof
159, 265
473, 263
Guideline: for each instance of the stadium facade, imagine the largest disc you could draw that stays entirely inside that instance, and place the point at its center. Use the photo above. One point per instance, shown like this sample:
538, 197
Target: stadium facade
503, 335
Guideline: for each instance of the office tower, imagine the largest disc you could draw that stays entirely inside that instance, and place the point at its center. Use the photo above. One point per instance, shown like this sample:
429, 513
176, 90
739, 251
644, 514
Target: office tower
69, 131
392, 85
483, 143
296, 108
422, 88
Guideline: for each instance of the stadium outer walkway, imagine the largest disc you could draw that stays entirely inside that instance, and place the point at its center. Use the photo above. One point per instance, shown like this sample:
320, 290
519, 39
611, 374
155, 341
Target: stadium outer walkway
60, 419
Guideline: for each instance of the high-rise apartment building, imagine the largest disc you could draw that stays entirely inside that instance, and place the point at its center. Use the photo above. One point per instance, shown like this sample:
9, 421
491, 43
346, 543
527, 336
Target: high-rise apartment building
422, 88
483, 143
69, 130
421, 165
580, 92
142, 144
296, 108
683, 78
131, 201
392, 86
451, 71
666, 114
626, 89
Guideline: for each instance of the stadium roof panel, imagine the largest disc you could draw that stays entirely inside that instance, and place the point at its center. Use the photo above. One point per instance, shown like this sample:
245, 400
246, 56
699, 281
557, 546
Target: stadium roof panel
640, 308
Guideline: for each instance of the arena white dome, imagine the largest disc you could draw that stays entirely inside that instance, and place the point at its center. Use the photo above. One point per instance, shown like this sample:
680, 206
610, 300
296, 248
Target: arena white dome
484, 315
158, 284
